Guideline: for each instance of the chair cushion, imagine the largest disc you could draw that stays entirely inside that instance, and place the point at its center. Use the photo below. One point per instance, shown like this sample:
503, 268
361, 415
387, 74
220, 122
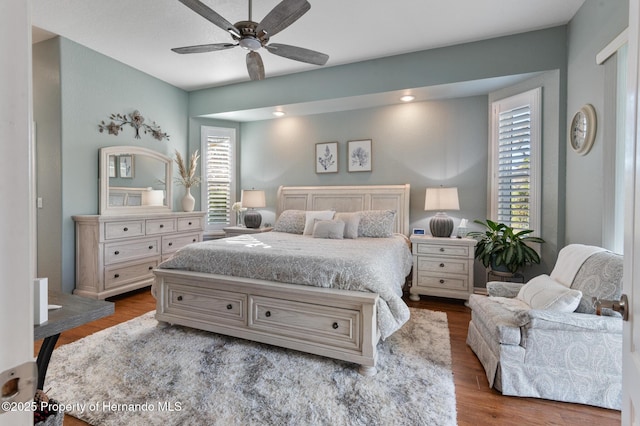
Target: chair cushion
600, 276
499, 317
543, 292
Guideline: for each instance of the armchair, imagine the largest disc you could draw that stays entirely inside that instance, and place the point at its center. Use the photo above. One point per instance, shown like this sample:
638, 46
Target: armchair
543, 339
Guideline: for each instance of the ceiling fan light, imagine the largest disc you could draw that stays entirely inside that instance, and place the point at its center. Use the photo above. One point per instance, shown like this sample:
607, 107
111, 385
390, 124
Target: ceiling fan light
250, 43
407, 98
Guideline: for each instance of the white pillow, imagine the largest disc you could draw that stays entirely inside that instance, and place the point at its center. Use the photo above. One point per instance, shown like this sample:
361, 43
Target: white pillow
332, 229
311, 216
545, 293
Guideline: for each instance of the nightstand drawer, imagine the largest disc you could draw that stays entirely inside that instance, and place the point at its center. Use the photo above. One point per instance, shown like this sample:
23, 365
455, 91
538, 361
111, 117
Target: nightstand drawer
449, 266
441, 250
425, 280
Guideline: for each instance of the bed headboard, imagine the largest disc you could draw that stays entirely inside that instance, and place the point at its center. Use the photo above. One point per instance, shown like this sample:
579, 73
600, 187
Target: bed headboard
348, 199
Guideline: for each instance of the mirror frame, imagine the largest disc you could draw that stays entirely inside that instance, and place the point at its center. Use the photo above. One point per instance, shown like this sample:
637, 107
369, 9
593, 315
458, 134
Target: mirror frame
105, 153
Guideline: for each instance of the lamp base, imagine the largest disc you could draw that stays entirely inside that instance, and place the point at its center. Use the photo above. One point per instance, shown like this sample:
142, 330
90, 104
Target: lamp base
252, 219
441, 225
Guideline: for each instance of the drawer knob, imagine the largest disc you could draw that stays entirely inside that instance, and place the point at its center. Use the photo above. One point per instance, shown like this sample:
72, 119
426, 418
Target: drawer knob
189, 223
125, 229
267, 314
179, 298
195, 239
116, 275
229, 306
441, 281
442, 265
116, 252
170, 244
335, 325
150, 268
150, 247
161, 226
441, 248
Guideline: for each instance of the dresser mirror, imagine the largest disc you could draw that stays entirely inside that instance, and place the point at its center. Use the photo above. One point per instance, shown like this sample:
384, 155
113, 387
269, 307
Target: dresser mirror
134, 180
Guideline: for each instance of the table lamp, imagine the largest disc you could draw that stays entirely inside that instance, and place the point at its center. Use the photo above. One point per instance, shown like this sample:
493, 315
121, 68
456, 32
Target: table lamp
440, 199
252, 198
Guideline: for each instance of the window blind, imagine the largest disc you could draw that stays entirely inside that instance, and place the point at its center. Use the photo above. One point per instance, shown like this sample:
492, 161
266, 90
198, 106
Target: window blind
219, 180
514, 167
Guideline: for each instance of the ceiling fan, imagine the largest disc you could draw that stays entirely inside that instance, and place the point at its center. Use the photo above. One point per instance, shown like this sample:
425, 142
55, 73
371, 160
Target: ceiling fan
252, 36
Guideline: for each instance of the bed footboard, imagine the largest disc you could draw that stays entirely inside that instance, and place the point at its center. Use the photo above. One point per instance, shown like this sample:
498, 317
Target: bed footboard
337, 324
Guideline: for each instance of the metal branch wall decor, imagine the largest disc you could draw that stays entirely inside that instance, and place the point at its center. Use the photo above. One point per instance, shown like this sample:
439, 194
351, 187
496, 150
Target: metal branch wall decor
135, 120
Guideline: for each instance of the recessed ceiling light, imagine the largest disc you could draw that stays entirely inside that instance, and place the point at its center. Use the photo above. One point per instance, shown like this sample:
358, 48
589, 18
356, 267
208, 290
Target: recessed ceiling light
407, 98
278, 113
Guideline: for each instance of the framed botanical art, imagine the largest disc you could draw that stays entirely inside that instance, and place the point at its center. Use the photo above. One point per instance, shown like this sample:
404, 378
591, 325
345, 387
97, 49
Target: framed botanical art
326, 157
359, 155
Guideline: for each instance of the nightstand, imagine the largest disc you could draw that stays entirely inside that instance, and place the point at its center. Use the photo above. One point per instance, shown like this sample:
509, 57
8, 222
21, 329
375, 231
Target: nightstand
442, 267
232, 231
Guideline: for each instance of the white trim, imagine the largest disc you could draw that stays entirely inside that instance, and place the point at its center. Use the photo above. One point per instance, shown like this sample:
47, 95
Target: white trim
534, 98
612, 47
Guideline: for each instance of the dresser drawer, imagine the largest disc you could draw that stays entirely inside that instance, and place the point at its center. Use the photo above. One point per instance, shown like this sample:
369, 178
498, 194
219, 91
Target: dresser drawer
171, 243
441, 250
160, 226
440, 282
116, 276
305, 321
120, 252
188, 223
113, 230
223, 306
449, 266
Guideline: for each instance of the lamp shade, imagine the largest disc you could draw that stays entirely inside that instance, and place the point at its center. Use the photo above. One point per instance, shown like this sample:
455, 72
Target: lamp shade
440, 199
253, 198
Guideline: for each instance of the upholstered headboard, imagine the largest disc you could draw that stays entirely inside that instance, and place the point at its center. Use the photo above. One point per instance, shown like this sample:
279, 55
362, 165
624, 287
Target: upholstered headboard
348, 199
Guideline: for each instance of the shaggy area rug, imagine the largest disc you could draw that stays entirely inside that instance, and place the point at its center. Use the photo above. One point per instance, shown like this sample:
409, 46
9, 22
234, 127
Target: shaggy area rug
143, 373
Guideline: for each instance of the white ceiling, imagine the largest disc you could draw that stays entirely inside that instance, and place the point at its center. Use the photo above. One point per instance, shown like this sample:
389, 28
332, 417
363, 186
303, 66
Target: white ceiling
141, 33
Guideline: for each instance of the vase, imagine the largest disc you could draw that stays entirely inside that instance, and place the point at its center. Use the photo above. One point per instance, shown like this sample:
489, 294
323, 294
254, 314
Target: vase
188, 202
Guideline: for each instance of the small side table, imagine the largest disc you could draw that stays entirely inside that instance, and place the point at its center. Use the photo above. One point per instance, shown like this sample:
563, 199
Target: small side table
75, 311
232, 231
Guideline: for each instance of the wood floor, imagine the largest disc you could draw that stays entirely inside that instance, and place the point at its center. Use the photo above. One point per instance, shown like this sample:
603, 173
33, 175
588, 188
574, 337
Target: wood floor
476, 403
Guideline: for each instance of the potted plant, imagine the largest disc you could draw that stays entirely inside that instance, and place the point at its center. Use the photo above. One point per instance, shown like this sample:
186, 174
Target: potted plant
503, 248
188, 178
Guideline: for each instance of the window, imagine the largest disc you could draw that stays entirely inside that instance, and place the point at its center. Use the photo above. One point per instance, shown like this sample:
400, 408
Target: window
515, 160
219, 166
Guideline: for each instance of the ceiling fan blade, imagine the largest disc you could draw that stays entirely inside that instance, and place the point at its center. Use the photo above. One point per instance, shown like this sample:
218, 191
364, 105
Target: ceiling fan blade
255, 66
284, 14
209, 14
298, 53
204, 48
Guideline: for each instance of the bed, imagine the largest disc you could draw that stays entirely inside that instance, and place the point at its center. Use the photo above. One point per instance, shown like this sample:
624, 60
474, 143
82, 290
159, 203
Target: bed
344, 297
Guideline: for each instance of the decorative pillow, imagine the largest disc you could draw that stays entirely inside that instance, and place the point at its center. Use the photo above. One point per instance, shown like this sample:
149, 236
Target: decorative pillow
333, 229
376, 223
311, 216
290, 221
545, 293
351, 222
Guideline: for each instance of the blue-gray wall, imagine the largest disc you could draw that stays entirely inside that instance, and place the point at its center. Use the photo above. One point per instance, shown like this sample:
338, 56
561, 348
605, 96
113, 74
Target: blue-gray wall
91, 86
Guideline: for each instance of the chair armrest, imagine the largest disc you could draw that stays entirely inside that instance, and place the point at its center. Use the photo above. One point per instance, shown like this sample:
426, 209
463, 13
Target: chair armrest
503, 288
572, 321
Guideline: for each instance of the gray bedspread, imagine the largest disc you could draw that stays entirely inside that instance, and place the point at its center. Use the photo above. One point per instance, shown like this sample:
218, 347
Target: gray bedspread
378, 265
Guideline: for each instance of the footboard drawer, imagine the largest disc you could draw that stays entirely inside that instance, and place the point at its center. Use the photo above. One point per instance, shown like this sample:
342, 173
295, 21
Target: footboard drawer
306, 322
222, 306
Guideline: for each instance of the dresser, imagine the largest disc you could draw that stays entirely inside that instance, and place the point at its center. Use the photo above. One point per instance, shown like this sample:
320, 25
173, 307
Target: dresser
116, 254
442, 267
